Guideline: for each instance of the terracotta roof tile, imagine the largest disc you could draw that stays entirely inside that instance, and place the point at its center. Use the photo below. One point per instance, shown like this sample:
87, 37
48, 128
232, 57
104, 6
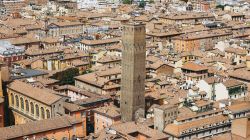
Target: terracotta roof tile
19, 131
194, 67
42, 95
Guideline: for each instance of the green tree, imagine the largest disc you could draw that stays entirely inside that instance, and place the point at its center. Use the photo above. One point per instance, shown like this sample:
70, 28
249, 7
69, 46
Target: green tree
127, 1
87, 71
151, 1
142, 4
67, 76
220, 7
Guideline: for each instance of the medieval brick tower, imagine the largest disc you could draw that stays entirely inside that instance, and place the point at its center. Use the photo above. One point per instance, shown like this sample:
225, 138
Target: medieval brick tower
133, 71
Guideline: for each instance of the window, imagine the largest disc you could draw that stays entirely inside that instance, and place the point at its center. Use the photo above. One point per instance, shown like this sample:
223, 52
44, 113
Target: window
12, 99
17, 101
32, 108
27, 105
42, 113
48, 114
83, 114
22, 103
37, 111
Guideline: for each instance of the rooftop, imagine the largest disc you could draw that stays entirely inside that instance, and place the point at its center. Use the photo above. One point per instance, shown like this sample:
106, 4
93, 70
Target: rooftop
21, 73
40, 94
186, 16
19, 131
7, 48
236, 51
239, 107
232, 83
100, 42
194, 67
131, 129
109, 111
93, 79
203, 34
176, 130
241, 74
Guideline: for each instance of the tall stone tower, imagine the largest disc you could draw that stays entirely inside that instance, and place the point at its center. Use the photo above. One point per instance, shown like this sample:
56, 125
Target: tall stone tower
133, 71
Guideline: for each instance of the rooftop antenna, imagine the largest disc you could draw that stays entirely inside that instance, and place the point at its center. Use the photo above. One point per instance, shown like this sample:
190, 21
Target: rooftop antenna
2, 8
46, 26
46, 20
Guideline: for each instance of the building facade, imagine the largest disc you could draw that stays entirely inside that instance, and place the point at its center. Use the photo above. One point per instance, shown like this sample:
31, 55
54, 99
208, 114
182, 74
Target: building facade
164, 115
65, 28
105, 117
10, 53
199, 40
31, 105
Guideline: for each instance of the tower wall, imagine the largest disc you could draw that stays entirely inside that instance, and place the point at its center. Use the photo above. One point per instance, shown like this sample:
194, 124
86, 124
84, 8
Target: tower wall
133, 72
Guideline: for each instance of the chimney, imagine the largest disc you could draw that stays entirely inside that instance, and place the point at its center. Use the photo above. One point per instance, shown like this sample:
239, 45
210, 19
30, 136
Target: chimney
5, 73
229, 102
248, 61
240, 127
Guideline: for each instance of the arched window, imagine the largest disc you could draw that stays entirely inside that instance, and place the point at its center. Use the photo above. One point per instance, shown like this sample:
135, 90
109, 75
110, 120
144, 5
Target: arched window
27, 105
37, 111
32, 108
22, 103
12, 99
42, 113
48, 114
17, 101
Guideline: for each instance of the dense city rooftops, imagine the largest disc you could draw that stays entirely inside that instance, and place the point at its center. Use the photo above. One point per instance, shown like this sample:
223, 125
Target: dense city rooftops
185, 16
204, 34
